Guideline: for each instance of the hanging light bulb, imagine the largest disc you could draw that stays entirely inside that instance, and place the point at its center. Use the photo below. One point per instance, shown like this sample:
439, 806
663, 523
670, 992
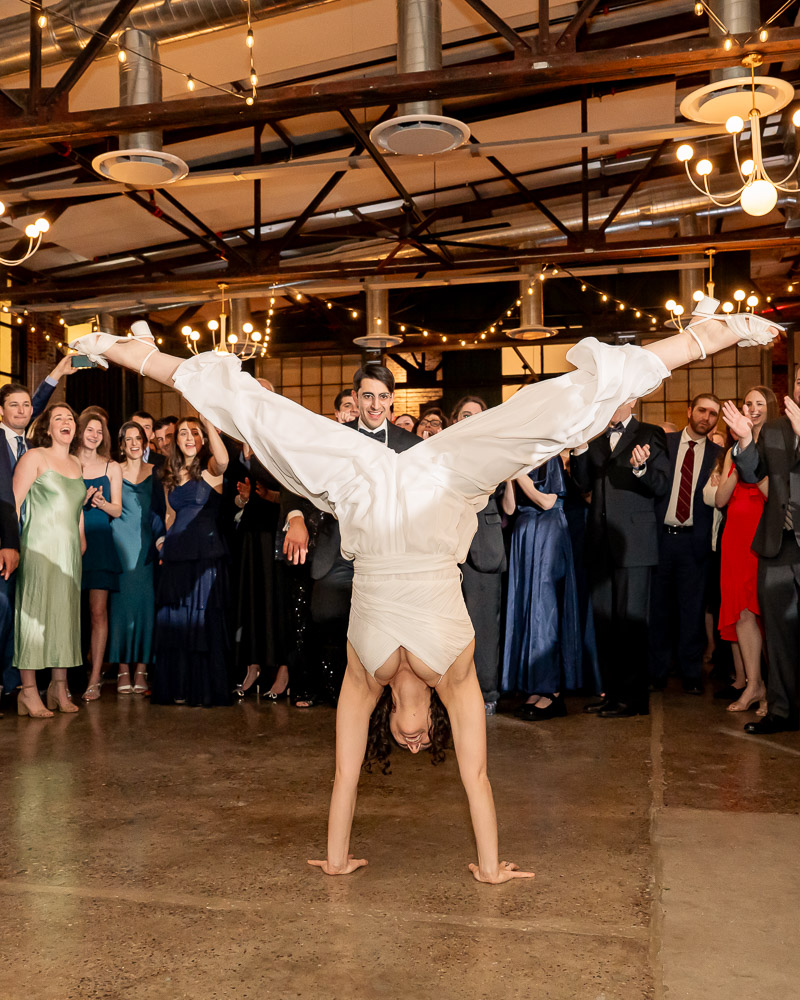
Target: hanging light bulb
727, 307
698, 8
250, 40
249, 100
670, 305
759, 198
698, 295
42, 225
728, 44
796, 118
190, 84
747, 167
752, 301
763, 35
41, 20
704, 167
684, 152
254, 79
734, 124
122, 55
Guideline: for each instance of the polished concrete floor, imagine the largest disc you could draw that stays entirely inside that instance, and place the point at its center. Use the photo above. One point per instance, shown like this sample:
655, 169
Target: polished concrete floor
152, 852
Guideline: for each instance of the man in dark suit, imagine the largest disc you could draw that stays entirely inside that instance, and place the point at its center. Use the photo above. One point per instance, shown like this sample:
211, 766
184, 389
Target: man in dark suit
331, 573
627, 470
17, 411
776, 455
677, 612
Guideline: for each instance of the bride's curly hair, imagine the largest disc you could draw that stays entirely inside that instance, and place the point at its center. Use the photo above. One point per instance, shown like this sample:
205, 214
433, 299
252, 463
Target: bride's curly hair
380, 739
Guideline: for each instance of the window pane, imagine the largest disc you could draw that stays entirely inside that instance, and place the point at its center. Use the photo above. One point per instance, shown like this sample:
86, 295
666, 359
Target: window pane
331, 371
329, 394
653, 413
311, 370
748, 377
311, 398
291, 371
293, 392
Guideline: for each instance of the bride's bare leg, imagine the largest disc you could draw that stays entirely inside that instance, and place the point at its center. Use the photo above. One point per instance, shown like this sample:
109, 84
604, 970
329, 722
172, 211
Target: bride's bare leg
130, 353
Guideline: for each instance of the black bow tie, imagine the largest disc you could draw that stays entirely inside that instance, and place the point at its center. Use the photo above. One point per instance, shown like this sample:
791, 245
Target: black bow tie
615, 429
375, 435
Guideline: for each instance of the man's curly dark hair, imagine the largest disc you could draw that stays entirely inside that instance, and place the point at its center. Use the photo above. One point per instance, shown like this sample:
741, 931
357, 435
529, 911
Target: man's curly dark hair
380, 739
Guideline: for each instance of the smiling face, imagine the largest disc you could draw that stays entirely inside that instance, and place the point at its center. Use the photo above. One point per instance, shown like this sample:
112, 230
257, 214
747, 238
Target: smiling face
755, 407
92, 435
133, 444
189, 439
347, 410
17, 411
406, 422
374, 402
165, 438
429, 423
62, 426
410, 718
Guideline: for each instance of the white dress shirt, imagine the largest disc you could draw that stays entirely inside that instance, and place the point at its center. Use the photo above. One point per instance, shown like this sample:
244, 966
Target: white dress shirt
12, 437
376, 430
699, 451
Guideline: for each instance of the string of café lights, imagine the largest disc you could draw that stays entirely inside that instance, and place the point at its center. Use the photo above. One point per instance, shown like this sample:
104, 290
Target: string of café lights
191, 79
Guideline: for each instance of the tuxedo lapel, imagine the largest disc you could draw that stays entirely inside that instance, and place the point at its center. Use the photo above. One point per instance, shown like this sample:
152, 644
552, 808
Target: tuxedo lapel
627, 437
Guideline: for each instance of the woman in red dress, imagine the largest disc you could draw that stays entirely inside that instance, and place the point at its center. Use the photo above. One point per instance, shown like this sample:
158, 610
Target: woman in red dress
739, 611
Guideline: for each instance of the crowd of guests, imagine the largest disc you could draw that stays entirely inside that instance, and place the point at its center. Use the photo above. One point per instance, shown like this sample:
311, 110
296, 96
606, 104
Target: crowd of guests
169, 557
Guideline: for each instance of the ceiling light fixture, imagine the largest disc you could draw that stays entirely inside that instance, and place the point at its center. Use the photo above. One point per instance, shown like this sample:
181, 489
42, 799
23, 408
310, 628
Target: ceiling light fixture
245, 343
35, 232
734, 103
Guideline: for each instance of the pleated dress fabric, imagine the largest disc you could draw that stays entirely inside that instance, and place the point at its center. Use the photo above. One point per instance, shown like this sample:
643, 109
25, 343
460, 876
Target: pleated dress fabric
132, 607
408, 519
47, 630
192, 638
543, 649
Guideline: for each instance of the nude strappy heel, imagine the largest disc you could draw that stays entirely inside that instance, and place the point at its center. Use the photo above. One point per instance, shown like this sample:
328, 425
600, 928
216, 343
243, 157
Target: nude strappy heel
94, 345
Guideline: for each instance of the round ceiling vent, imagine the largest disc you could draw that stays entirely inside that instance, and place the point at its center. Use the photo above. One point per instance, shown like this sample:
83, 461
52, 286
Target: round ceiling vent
148, 168
533, 332
420, 135
715, 103
377, 342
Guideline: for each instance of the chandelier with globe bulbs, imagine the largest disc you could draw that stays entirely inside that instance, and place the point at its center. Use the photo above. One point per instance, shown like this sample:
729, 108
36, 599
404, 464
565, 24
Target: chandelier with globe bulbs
737, 102
741, 299
245, 343
35, 232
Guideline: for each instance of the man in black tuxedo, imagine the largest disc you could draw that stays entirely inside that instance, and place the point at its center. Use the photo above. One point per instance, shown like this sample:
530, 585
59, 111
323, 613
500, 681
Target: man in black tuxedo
685, 523
776, 455
627, 470
331, 573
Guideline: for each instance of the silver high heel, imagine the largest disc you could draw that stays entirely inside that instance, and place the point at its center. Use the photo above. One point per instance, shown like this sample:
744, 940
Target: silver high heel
94, 345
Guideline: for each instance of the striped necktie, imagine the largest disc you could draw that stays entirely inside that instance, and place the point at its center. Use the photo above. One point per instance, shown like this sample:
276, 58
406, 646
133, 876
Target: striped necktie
683, 508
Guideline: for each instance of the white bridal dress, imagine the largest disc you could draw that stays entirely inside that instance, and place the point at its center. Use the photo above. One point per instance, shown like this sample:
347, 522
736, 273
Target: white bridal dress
407, 519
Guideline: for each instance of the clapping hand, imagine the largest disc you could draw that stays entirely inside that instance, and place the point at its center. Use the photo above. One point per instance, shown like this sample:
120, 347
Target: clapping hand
639, 455
243, 489
793, 413
740, 425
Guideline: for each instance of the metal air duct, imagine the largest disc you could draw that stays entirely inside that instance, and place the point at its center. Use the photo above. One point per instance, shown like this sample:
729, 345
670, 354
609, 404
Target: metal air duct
531, 310
420, 129
378, 336
140, 160
71, 21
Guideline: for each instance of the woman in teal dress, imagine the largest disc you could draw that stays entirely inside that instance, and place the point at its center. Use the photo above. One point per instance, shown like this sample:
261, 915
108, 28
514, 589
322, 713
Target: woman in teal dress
132, 607
47, 620
101, 565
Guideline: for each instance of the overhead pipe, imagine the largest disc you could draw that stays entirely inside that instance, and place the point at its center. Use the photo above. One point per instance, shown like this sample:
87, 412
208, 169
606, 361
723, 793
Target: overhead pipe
70, 22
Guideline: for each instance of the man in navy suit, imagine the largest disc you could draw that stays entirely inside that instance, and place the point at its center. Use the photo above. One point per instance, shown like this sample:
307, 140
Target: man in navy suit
17, 410
685, 524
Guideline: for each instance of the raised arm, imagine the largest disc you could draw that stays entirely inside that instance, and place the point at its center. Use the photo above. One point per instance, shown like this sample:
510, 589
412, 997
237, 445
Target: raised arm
464, 703
219, 453
357, 699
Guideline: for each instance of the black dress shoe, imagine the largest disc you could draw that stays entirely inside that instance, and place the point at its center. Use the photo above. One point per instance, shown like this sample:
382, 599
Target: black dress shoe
594, 707
772, 724
693, 687
555, 710
622, 711
729, 693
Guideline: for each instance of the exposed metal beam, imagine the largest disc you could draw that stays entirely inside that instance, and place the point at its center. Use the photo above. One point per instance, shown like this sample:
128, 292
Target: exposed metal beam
639, 179
95, 46
35, 63
567, 37
156, 212
670, 59
500, 26
231, 253
543, 41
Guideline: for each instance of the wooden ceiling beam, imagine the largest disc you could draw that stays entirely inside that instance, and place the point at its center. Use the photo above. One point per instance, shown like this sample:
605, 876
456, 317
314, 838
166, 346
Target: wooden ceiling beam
527, 75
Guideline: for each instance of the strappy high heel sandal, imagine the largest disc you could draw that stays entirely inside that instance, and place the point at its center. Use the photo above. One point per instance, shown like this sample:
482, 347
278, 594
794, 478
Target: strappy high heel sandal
140, 687
24, 709
755, 331
124, 683
55, 704
94, 345
92, 693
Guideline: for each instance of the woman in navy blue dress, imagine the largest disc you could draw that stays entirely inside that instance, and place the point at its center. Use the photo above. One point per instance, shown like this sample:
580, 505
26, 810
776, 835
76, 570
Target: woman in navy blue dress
543, 650
191, 638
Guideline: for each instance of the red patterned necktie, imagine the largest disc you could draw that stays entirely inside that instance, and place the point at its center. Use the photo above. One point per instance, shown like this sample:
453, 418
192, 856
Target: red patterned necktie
683, 508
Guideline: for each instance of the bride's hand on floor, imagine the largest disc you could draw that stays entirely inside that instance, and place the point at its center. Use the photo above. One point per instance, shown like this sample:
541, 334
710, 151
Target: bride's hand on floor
349, 868
505, 872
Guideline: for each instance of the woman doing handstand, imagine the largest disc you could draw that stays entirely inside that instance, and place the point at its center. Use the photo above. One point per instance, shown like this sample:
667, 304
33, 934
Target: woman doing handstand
407, 520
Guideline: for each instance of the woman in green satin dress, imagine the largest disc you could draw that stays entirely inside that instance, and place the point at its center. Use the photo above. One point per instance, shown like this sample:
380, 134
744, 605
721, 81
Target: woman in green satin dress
47, 621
